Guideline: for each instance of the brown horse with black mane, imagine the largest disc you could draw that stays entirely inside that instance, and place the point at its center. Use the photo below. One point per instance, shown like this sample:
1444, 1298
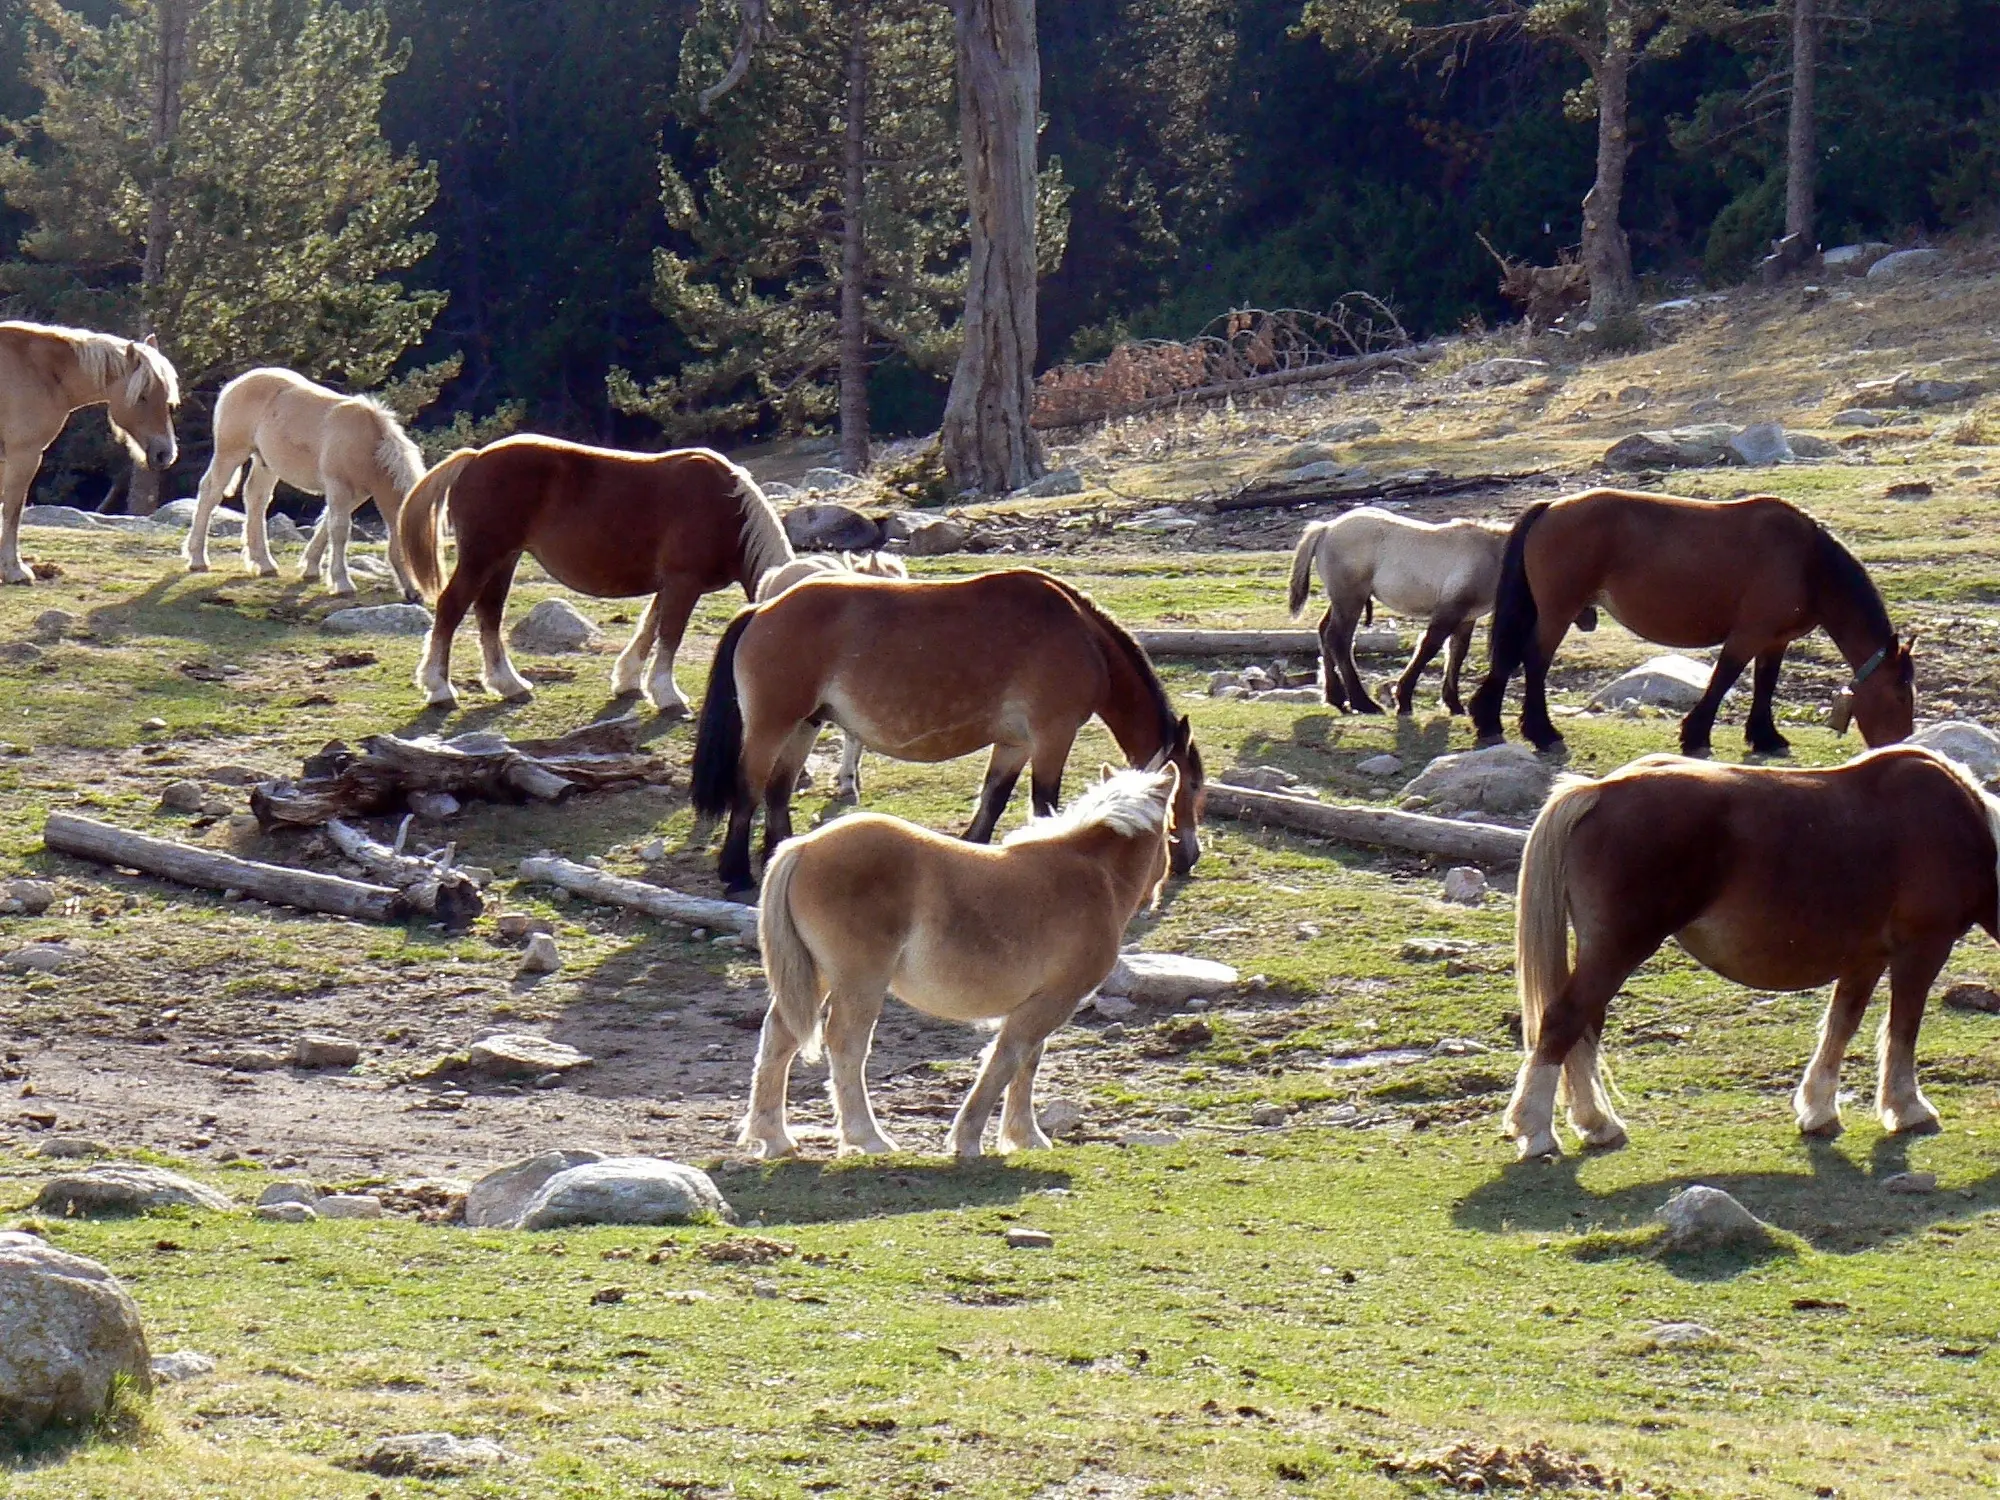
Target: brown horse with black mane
928, 671
1750, 576
675, 525
1774, 879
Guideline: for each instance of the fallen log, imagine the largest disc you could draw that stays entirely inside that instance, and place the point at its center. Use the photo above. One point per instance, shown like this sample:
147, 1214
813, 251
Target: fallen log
66, 833
641, 896
340, 782
1419, 484
1229, 642
1334, 369
1482, 843
430, 883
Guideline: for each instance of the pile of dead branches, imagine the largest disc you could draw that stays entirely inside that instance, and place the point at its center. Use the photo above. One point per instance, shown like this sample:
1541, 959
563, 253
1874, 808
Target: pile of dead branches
1544, 293
1241, 352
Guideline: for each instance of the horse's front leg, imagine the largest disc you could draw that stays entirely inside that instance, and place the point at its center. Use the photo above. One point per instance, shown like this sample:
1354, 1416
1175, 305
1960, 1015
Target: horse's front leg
1003, 770
1816, 1104
1435, 635
1454, 662
1697, 727
194, 546
764, 1124
1019, 1129
1762, 729
16, 475
1017, 1047
852, 1011
257, 490
628, 674
1901, 1104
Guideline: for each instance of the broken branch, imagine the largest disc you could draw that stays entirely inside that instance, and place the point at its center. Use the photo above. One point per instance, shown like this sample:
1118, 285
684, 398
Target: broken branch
641, 896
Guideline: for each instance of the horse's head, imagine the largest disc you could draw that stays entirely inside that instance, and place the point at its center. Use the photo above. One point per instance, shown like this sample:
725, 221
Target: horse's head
1882, 698
141, 399
1160, 784
1184, 836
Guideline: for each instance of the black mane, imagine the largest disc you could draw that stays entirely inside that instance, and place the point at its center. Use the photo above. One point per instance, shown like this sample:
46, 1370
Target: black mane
1844, 571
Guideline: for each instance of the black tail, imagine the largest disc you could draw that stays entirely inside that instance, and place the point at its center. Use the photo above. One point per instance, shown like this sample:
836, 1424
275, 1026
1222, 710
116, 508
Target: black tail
1514, 620
718, 737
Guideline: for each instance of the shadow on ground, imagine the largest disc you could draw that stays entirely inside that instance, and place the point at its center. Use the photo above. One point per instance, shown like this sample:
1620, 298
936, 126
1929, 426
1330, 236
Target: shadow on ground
804, 1192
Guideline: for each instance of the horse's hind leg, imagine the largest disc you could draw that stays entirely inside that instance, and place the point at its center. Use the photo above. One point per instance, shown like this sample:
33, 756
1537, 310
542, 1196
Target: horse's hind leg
764, 1122
339, 524
1699, 725
499, 674
782, 781
1454, 661
675, 602
257, 490
1003, 770
1330, 683
1435, 636
1337, 648
852, 1011
1019, 1129
1562, 1067
1901, 1104
1762, 729
628, 674
1816, 1103
847, 785
1021, 1037
1535, 721
434, 667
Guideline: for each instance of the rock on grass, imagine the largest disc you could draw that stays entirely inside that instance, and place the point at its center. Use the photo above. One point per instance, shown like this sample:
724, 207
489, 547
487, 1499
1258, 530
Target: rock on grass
433, 1455
69, 1334
124, 1188
1705, 1218
626, 1190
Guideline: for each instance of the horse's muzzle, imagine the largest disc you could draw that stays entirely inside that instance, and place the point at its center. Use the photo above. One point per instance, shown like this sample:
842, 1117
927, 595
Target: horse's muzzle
160, 456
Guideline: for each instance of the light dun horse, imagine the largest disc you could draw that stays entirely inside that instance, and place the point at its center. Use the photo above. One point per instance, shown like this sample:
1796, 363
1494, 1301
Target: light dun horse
1750, 576
1445, 574
847, 787
350, 449
870, 906
47, 373
1774, 879
927, 671
675, 525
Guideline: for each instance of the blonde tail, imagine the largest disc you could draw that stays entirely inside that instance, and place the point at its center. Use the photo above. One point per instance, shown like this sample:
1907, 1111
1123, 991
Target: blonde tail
1303, 558
789, 969
1541, 921
418, 526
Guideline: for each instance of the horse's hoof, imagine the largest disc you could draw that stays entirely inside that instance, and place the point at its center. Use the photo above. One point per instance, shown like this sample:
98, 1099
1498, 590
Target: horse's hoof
1914, 1123
1488, 741
1367, 706
1779, 747
742, 895
1821, 1130
1611, 1139
193, 567
1555, 746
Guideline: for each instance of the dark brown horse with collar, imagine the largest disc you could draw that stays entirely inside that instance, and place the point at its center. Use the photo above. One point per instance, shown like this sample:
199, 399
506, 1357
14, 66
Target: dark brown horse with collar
1750, 576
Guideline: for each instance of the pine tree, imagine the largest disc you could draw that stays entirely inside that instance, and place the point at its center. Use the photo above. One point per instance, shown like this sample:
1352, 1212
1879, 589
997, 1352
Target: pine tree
213, 171
829, 227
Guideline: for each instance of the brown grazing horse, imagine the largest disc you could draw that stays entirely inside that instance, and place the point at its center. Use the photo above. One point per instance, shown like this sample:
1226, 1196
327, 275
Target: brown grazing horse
45, 374
869, 906
1750, 576
1774, 879
927, 671
675, 525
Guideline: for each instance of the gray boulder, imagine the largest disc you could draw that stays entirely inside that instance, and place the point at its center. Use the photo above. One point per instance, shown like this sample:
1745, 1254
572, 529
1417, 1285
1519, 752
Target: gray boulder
497, 1200
831, 528
1854, 260
1973, 746
1702, 446
1907, 389
1810, 446
348, 1206
1760, 444
26, 897
1167, 978
379, 619
61, 517
124, 1188
1380, 765
222, 521
555, 625
433, 1455
1051, 485
285, 1213
1328, 469
289, 1192
69, 1333
934, 536
1663, 682
1706, 1218
1499, 779
42, 958
1905, 263
1857, 416
626, 1190
522, 1054
826, 479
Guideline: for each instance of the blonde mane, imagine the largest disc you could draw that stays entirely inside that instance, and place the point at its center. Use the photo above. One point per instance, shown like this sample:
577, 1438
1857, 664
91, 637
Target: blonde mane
104, 359
765, 544
1131, 803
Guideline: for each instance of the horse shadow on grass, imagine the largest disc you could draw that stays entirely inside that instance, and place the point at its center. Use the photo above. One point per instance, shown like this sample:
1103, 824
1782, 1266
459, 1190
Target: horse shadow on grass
1419, 739
810, 1192
1838, 1205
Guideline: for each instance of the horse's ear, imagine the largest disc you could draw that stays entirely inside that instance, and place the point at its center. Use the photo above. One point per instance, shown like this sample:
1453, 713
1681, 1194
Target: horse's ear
1105, 773
152, 341
1183, 734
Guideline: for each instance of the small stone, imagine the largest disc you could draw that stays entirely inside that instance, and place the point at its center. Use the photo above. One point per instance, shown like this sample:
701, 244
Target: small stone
1810, 446
182, 796
153, 726
432, 1455
1380, 766
42, 958
1982, 999
28, 897
241, 1059
217, 807
542, 956
769, 1290
517, 926
52, 625
1856, 416
348, 1206
1349, 431
1149, 1138
182, 1364
1270, 1114
317, 1050
379, 619
553, 626
433, 807
825, 478
70, 1148
1029, 1239
285, 1213
653, 851
1759, 445
1113, 1007
1681, 1336
1259, 778
1465, 885
1434, 950
520, 1054
1168, 979
1050, 485
1914, 1184
1062, 1118
124, 1188
1703, 1218
1220, 680
289, 1192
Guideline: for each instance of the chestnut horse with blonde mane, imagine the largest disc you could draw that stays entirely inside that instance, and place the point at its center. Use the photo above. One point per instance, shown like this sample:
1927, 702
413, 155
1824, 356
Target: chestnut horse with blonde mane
676, 525
1750, 576
351, 449
46, 373
870, 906
927, 671
1774, 879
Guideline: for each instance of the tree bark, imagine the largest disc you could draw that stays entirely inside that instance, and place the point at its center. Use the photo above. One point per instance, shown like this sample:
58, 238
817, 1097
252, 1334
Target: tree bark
988, 439
142, 495
1606, 253
640, 895
854, 252
1486, 843
1801, 136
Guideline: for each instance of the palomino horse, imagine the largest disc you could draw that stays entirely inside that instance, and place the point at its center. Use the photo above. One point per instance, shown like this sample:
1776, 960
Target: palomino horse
927, 671
870, 906
47, 373
1775, 879
1750, 576
847, 787
350, 449
1446, 574
675, 525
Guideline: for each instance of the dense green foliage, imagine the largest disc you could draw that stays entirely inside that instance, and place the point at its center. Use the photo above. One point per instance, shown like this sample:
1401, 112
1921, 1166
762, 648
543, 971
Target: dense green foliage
1219, 154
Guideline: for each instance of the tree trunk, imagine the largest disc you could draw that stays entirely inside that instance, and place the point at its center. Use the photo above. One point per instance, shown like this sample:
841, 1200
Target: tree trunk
142, 496
854, 253
1606, 254
989, 444
1801, 136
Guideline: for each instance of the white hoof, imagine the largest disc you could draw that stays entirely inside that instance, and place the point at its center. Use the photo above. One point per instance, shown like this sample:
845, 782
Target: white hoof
1534, 1147
1036, 1140
1818, 1119
874, 1145
195, 565
1607, 1135
259, 570
667, 699
1914, 1118
509, 685
772, 1147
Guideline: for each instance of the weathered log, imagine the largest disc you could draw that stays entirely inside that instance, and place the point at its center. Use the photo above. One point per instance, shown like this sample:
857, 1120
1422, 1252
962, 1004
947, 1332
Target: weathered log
1229, 642
430, 884
1483, 843
641, 895
1334, 369
66, 833
1421, 484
